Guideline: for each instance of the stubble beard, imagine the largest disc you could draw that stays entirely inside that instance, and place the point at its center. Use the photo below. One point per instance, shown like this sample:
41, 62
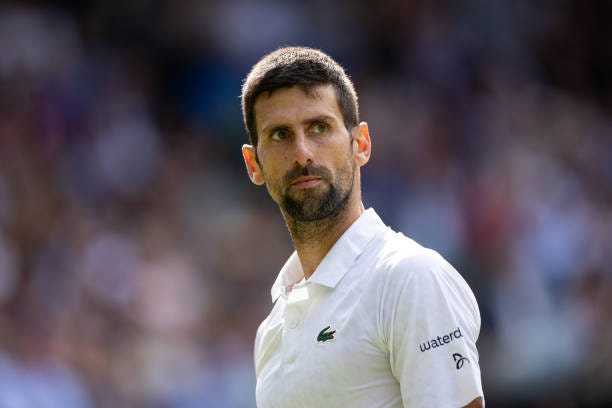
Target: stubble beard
316, 208
311, 206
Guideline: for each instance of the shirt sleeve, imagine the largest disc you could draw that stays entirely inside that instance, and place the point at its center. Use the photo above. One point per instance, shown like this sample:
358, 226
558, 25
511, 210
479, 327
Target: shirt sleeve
431, 323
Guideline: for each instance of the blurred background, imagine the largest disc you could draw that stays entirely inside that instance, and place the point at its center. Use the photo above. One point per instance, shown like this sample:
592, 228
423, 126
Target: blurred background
136, 257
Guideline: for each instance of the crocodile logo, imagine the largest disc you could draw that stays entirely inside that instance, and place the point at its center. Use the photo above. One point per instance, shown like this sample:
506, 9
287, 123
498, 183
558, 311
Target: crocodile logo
325, 335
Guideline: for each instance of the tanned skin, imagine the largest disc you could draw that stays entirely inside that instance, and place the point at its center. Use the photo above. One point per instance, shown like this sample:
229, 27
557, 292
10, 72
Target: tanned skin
297, 130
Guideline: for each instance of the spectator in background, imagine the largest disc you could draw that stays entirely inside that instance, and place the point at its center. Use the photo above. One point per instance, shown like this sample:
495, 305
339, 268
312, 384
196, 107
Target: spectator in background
490, 117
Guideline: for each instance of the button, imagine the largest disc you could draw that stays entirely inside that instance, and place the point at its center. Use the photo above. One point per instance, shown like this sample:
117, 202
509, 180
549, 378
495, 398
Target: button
292, 322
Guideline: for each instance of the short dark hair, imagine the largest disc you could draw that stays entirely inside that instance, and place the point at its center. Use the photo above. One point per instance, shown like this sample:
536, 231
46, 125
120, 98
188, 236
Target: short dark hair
303, 66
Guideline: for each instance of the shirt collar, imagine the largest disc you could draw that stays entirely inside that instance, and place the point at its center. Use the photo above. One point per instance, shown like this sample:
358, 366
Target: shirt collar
336, 262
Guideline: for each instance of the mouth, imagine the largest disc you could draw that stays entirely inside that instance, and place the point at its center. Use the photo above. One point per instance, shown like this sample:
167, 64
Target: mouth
305, 181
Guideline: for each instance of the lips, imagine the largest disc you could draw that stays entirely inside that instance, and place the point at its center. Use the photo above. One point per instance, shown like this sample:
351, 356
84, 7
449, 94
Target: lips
305, 181
307, 176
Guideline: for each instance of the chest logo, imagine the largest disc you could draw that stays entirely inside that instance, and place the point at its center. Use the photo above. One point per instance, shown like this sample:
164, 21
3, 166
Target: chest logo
325, 335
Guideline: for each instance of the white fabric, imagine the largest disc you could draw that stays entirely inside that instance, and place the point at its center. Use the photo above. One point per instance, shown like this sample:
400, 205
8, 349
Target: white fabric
404, 323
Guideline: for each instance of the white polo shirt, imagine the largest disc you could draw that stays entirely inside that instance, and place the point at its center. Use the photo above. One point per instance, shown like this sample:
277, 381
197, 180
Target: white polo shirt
382, 322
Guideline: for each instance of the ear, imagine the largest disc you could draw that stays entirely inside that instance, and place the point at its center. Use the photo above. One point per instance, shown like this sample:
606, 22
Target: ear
361, 136
255, 174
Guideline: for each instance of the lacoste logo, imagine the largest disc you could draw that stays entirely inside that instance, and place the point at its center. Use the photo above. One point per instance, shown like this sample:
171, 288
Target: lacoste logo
459, 360
325, 335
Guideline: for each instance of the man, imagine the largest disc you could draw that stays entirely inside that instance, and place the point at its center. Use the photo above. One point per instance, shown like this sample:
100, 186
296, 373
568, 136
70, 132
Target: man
363, 316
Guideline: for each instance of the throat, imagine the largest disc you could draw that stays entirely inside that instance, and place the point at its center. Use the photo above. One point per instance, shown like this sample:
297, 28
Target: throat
313, 239
311, 232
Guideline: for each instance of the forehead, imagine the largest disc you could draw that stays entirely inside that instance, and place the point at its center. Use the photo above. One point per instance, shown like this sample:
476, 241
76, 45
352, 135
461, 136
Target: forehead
291, 106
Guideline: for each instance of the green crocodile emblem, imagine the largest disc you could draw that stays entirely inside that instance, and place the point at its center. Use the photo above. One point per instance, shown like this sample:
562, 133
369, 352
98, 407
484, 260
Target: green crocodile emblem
325, 335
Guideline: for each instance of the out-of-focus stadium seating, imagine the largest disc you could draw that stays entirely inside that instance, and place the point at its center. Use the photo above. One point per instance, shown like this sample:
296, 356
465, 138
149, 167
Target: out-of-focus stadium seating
136, 257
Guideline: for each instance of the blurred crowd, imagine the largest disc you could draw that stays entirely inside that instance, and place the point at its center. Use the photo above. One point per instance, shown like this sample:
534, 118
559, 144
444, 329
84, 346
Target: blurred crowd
136, 258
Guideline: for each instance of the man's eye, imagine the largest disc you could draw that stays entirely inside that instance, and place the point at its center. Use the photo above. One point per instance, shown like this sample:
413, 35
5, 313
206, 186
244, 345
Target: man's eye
320, 127
279, 134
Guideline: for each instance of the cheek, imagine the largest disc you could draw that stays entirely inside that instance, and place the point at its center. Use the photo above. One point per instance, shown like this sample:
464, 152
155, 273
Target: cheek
272, 173
272, 162
346, 157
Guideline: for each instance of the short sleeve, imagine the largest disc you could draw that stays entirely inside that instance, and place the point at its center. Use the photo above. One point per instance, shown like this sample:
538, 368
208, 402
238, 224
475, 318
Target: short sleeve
431, 323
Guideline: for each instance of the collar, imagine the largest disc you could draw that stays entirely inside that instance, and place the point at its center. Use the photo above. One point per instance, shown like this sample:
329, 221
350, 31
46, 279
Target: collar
336, 262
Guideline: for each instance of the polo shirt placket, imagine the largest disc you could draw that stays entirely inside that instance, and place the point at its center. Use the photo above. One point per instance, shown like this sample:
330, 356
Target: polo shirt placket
295, 308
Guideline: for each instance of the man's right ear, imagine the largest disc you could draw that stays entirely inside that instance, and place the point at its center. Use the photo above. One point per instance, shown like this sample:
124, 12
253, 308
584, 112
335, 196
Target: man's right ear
255, 174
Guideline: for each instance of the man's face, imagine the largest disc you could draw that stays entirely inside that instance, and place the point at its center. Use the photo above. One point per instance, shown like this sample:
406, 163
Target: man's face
305, 153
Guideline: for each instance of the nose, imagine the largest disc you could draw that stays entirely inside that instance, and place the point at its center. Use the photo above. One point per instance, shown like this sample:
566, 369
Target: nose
302, 147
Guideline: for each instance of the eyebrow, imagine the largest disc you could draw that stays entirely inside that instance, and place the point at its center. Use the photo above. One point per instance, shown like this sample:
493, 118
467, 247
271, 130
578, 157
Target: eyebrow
320, 118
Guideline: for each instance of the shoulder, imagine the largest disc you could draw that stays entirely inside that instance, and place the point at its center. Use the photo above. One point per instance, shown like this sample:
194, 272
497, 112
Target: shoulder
402, 259
412, 272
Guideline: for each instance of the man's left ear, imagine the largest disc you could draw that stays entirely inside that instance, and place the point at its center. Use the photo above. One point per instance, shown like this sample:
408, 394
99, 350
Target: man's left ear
361, 136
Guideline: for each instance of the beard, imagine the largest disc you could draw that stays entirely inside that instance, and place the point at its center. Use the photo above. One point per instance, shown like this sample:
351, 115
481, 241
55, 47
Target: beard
312, 204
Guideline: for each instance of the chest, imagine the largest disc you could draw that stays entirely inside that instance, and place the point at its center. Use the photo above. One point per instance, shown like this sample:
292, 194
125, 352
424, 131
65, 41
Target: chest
323, 347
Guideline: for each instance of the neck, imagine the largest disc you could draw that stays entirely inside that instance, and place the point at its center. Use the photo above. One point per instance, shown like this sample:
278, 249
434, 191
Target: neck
312, 240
